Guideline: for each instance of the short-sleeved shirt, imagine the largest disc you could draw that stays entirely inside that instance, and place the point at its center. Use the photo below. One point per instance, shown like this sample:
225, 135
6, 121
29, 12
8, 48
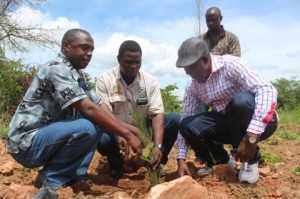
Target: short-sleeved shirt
222, 44
54, 88
142, 95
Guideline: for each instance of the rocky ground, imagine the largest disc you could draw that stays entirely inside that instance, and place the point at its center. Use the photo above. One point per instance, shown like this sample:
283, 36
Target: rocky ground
279, 178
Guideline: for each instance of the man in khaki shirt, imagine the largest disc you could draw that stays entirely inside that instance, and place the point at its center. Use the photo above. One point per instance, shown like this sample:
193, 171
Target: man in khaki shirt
219, 40
126, 90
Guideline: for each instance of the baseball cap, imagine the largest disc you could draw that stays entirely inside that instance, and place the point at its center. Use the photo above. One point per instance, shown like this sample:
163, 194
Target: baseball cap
190, 51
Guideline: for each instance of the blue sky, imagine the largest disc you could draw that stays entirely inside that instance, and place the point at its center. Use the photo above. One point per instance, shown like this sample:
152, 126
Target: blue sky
268, 30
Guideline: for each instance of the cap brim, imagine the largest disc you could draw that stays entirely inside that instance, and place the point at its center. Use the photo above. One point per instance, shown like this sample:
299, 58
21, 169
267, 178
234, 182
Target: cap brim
182, 63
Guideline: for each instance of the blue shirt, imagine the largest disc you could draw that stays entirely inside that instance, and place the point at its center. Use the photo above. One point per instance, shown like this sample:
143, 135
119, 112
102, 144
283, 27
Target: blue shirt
54, 88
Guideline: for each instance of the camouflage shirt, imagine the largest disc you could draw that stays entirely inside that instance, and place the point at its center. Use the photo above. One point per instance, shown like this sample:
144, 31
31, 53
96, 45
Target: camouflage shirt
224, 43
53, 89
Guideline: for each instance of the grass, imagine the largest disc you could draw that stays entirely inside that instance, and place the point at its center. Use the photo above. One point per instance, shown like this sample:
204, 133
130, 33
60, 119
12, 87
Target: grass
147, 155
289, 135
271, 158
289, 117
3, 125
289, 127
296, 171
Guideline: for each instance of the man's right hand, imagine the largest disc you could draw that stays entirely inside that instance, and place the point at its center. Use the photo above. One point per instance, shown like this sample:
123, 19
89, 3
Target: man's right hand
182, 168
135, 143
132, 128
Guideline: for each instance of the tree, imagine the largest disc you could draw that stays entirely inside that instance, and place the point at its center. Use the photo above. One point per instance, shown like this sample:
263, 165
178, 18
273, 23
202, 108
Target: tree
288, 93
171, 101
14, 81
13, 36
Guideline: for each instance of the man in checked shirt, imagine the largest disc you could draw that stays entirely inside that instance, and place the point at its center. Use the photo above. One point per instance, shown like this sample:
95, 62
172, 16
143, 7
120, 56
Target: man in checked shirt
243, 109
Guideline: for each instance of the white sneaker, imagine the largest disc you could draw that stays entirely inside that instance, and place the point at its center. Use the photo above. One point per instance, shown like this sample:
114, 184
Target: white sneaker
249, 173
231, 162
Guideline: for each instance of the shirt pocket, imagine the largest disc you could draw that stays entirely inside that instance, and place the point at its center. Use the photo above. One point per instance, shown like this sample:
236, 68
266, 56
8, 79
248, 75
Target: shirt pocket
118, 103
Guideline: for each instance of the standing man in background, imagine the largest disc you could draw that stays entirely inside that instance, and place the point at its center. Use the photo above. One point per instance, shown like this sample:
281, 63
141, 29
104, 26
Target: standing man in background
219, 40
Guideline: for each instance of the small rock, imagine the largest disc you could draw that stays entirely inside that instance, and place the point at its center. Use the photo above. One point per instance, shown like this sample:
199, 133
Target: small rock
275, 176
265, 171
289, 154
17, 191
184, 187
121, 195
8, 167
277, 194
65, 193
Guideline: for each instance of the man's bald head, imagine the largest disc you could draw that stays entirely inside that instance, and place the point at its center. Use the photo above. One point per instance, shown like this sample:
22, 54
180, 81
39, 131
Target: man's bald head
213, 19
214, 10
72, 34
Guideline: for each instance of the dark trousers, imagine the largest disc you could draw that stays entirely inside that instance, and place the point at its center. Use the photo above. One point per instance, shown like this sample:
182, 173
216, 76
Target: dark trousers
207, 132
110, 147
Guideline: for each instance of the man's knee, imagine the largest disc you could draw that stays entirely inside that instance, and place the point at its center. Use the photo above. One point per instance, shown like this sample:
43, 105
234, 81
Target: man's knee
199, 126
243, 101
107, 143
187, 128
88, 128
172, 119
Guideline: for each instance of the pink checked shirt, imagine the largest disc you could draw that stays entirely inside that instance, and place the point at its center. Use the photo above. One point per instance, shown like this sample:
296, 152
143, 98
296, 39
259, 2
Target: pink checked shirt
229, 76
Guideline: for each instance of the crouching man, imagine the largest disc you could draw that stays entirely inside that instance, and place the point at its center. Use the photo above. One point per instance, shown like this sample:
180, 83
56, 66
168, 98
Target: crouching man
243, 109
127, 90
59, 123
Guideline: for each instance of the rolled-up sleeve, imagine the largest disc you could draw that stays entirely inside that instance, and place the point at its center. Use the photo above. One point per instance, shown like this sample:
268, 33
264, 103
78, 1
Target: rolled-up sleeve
155, 100
190, 104
102, 91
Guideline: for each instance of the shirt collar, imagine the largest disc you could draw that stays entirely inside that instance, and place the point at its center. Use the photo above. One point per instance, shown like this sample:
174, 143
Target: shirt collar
215, 62
63, 59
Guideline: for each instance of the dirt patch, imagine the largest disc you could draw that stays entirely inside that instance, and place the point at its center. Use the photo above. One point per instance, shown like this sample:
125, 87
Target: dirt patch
277, 180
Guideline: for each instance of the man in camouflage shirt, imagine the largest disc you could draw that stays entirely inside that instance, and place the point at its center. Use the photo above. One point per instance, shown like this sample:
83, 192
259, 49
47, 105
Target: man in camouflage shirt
58, 125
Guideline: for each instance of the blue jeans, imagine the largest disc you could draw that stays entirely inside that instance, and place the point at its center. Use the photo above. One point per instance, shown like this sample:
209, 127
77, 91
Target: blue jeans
208, 131
64, 150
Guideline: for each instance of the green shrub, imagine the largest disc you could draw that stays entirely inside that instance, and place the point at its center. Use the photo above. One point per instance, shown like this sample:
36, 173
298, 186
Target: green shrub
14, 81
296, 171
3, 125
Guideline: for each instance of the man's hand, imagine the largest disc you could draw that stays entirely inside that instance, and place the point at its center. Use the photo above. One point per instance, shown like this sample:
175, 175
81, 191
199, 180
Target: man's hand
157, 155
132, 128
246, 151
135, 144
124, 147
182, 168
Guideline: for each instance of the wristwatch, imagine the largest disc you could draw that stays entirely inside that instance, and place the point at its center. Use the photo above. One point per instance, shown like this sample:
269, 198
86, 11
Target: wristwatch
159, 146
252, 138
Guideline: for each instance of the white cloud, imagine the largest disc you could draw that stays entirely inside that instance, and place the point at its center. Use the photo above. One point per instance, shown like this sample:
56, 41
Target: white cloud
268, 45
29, 17
54, 28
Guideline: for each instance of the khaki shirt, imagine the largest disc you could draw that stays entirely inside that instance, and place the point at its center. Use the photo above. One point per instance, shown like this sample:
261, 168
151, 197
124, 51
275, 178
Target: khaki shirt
225, 43
142, 95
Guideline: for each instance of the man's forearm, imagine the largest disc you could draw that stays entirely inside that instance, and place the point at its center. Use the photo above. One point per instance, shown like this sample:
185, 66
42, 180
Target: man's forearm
158, 128
100, 115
